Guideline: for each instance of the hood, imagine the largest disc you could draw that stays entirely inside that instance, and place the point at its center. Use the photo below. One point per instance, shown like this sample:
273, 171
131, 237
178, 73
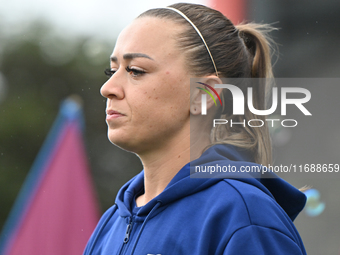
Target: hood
183, 184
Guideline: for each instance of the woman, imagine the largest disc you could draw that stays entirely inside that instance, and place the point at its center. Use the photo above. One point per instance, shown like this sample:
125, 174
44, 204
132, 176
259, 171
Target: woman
153, 112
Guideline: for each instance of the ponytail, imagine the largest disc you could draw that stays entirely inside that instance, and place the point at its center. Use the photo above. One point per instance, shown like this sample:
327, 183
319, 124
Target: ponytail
256, 40
257, 48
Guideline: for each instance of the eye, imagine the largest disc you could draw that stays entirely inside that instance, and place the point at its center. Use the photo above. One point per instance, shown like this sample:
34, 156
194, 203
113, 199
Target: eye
109, 72
134, 72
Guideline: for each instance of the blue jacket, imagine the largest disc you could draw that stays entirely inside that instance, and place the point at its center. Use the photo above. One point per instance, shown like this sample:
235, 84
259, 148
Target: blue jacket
196, 216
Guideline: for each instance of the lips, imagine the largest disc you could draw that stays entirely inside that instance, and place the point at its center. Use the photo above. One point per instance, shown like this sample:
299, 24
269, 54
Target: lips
112, 114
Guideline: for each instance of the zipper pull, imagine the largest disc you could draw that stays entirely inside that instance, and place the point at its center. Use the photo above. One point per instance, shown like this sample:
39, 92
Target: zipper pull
128, 231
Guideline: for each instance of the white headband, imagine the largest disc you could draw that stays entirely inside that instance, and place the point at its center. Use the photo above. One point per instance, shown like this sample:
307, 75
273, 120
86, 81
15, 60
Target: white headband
198, 32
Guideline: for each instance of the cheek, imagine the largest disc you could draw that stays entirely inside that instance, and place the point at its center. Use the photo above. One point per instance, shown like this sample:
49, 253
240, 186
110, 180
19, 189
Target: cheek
146, 101
169, 96
175, 101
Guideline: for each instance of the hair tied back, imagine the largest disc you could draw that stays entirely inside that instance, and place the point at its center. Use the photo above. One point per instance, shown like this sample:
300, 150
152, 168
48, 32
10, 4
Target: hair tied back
248, 41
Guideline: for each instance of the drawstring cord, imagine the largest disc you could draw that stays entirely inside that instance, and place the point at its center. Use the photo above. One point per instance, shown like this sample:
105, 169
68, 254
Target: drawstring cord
101, 228
143, 225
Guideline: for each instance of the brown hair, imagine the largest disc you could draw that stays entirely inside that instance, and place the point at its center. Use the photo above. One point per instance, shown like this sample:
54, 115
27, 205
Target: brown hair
241, 51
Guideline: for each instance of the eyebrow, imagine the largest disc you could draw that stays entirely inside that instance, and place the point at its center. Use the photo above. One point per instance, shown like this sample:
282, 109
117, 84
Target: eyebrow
130, 56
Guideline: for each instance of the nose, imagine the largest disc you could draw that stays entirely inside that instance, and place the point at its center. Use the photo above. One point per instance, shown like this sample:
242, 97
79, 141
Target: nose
112, 88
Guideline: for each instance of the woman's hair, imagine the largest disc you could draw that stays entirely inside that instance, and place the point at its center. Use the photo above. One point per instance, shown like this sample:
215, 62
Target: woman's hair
241, 51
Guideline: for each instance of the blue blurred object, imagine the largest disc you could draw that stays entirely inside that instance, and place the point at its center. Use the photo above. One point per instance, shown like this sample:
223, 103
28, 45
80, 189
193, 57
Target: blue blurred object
314, 207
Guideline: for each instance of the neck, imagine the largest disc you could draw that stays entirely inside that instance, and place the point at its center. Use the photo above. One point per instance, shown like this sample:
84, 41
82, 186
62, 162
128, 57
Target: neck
162, 164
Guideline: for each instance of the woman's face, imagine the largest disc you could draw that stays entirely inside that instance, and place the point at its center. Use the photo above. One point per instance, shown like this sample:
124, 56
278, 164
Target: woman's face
148, 92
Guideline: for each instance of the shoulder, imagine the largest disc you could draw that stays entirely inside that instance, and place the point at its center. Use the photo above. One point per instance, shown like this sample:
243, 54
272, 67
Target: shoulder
255, 214
255, 239
241, 192
250, 196
242, 213
254, 205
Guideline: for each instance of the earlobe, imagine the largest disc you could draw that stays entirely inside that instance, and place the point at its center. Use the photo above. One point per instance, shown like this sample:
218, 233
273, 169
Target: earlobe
194, 110
196, 102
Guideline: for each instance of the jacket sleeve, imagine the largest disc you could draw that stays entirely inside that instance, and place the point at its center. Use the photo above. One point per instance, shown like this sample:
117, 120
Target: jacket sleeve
258, 240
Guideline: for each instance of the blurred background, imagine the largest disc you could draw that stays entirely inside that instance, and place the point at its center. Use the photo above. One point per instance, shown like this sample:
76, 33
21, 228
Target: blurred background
52, 49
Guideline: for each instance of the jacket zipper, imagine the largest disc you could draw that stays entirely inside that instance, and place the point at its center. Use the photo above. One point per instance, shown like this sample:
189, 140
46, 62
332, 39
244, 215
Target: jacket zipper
128, 231
127, 235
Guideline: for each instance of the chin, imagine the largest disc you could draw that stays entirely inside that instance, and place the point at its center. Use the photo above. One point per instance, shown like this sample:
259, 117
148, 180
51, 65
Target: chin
121, 142
130, 144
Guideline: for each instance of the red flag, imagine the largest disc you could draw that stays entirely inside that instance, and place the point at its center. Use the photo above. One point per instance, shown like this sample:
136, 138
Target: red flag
235, 10
56, 210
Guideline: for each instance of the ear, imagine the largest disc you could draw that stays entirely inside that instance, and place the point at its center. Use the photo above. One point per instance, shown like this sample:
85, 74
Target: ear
207, 83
